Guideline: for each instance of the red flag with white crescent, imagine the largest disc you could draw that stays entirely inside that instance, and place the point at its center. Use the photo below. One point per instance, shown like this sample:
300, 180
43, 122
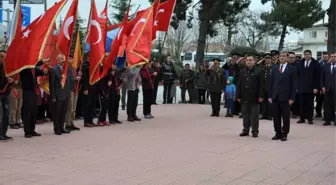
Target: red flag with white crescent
27, 48
65, 37
97, 47
139, 42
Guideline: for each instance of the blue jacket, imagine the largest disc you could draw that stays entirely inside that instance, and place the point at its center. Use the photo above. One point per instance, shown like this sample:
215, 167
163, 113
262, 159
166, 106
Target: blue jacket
230, 91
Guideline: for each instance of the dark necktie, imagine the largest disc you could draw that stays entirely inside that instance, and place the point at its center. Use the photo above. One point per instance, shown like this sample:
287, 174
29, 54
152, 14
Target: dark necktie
307, 64
281, 68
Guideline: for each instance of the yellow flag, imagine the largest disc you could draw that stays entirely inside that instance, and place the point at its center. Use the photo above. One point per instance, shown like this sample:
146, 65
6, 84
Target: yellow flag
77, 57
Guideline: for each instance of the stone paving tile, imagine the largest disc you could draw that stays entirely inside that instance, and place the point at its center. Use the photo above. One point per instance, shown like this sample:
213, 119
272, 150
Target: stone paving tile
181, 146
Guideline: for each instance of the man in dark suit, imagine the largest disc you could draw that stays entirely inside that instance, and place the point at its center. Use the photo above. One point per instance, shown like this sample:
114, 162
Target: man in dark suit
320, 96
329, 90
60, 95
282, 91
30, 91
4, 101
156, 68
250, 89
309, 75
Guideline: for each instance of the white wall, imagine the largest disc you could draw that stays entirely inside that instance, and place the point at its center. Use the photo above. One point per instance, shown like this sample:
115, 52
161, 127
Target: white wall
3, 29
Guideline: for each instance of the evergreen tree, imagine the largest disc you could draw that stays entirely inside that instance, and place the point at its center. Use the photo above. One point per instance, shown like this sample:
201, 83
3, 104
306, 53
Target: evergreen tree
119, 8
79, 26
332, 27
295, 14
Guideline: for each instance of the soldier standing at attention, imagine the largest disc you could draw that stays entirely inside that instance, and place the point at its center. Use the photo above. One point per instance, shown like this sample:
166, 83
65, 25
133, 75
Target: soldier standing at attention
250, 89
187, 83
265, 105
216, 83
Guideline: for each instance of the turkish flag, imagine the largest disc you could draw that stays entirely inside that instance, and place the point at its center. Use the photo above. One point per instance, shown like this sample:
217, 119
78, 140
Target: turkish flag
139, 43
103, 20
97, 47
163, 16
116, 43
50, 51
65, 37
27, 49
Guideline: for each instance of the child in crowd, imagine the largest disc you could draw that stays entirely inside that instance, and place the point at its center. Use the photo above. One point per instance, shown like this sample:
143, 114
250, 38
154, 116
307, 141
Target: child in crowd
230, 96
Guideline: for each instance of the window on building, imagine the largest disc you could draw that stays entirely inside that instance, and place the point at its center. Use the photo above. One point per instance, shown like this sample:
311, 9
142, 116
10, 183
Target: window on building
313, 34
326, 34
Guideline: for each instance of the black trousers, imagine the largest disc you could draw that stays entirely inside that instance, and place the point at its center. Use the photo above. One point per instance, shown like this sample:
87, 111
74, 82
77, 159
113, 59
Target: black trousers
60, 110
42, 110
155, 90
4, 115
104, 107
79, 106
266, 106
306, 106
281, 111
29, 104
147, 101
190, 93
329, 106
215, 101
296, 106
132, 102
251, 117
319, 103
201, 96
89, 105
167, 86
113, 111
237, 108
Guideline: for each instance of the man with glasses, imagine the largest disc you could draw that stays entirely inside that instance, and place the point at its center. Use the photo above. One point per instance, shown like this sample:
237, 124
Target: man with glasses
309, 75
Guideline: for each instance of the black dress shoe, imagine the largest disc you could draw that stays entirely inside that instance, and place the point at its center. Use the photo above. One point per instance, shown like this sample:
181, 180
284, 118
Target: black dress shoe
276, 137
136, 118
3, 139
28, 136
327, 123
243, 134
65, 131
8, 138
213, 115
263, 118
73, 127
117, 121
301, 121
254, 135
35, 134
58, 133
284, 138
310, 122
130, 119
14, 127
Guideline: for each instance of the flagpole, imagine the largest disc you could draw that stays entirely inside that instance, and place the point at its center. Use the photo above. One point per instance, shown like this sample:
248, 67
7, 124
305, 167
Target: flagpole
164, 40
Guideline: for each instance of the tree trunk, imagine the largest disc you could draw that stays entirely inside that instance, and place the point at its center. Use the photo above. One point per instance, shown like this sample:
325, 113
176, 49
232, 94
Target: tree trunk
229, 37
282, 37
332, 27
203, 30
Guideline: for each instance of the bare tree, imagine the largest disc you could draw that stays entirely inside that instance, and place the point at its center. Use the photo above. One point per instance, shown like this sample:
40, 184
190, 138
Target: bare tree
255, 30
177, 39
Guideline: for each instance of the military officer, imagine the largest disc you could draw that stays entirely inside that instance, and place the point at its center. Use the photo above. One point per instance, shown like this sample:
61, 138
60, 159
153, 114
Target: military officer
275, 56
216, 83
266, 74
250, 89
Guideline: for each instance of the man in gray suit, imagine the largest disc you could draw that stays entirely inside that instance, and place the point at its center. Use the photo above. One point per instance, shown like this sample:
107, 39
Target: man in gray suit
60, 95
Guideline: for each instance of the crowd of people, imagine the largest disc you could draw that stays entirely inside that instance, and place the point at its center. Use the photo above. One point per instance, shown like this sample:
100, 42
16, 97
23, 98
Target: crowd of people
277, 86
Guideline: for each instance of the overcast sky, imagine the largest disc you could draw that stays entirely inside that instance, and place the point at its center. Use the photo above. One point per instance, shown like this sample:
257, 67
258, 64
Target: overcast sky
84, 9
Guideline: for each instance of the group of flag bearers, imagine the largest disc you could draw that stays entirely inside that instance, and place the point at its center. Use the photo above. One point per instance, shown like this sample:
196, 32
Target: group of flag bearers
25, 61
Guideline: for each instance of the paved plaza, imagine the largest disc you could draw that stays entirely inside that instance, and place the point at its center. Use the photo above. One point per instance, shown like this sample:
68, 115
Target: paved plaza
181, 146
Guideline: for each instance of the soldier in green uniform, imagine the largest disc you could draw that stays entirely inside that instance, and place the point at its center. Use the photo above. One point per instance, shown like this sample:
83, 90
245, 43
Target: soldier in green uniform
266, 112
250, 90
216, 84
187, 83
275, 56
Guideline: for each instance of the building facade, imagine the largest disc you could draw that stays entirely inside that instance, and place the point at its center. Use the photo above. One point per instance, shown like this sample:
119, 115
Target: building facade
315, 39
